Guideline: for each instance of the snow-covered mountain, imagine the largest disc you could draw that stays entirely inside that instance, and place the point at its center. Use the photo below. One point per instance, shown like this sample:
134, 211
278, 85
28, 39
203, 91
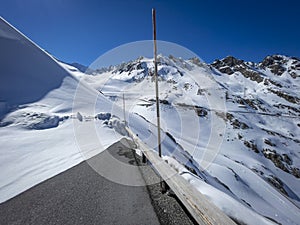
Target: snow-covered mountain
237, 123
47, 117
231, 128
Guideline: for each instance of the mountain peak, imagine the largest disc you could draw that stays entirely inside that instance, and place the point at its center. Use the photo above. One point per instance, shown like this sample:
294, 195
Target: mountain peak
271, 59
232, 61
279, 64
227, 65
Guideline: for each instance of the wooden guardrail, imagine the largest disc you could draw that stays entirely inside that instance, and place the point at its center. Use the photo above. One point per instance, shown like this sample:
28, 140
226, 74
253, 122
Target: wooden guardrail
203, 211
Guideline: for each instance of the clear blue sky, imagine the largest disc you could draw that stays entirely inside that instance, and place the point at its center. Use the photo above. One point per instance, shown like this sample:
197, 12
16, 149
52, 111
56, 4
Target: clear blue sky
82, 30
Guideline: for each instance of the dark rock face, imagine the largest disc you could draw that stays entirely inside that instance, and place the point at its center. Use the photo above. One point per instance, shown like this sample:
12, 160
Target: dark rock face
277, 183
230, 65
283, 162
289, 98
275, 158
267, 62
227, 70
277, 64
294, 67
290, 109
201, 112
253, 75
231, 61
250, 144
271, 60
277, 69
235, 123
226, 65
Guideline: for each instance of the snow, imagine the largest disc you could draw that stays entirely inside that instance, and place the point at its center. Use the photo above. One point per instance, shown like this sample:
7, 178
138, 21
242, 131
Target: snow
46, 113
25, 75
229, 205
53, 117
232, 176
29, 157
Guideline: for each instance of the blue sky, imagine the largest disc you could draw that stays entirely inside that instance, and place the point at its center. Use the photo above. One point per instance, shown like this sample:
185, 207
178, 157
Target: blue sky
82, 30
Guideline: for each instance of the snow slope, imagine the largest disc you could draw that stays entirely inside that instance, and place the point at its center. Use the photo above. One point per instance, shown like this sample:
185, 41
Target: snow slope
46, 112
231, 128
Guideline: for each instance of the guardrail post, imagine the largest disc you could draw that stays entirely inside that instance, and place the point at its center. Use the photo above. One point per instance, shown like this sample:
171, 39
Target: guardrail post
144, 159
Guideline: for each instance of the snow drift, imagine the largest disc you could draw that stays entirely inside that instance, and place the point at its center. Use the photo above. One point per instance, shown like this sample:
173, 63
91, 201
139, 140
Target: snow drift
39, 104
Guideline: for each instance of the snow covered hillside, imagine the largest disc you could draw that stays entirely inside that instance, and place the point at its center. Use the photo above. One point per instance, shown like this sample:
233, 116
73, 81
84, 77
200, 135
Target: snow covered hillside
231, 127
45, 115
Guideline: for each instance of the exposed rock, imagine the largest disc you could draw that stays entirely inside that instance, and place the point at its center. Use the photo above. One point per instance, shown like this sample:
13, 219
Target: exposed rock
253, 75
289, 98
251, 102
266, 81
275, 158
271, 60
291, 109
251, 145
268, 142
277, 183
240, 136
200, 111
187, 86
296, 172
200, 91
275, 83
231, 61
257, 171
277, 69
283, 162
235, 122
227, 70
161, 101
103, 116
293, 74
230, 65
280, 135
287, 159
267, 61
274, 63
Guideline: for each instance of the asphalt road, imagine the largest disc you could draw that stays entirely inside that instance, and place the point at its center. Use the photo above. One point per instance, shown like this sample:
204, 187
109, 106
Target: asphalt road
82, 196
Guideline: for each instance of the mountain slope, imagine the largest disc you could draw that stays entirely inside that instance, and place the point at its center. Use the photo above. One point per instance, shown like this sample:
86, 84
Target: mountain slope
238, 122
25, 81
230, 128
45, 116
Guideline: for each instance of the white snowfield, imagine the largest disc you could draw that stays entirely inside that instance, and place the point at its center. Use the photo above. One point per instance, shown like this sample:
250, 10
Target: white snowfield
38, 137
211, 116
53, 117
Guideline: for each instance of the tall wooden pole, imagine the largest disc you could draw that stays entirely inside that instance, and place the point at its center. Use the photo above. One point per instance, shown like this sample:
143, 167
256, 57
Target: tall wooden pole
156, 82
124, 112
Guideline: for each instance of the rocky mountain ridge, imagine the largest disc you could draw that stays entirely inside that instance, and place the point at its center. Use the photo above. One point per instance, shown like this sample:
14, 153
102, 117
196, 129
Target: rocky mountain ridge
256, 103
